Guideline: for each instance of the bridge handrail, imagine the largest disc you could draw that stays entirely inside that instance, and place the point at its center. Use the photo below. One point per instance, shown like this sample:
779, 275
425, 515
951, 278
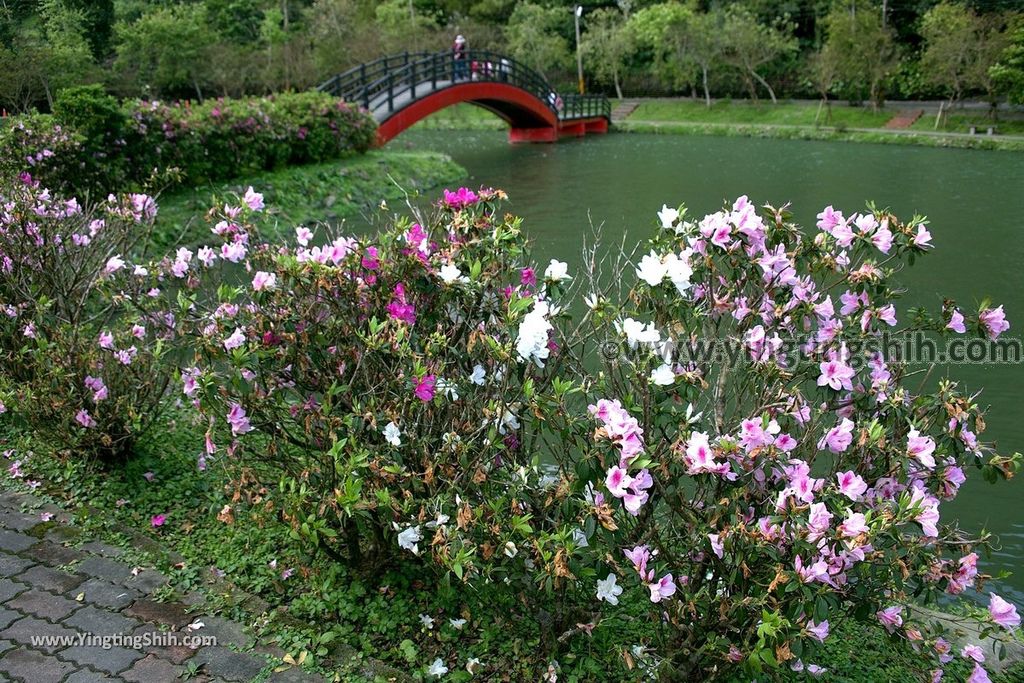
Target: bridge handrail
397, 74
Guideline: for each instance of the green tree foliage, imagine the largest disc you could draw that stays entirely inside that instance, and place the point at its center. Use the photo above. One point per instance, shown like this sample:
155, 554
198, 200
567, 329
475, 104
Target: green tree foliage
657, 32
748, 45
535, 37
166, 50
607, 45
960, 47
864, 48
1008, 74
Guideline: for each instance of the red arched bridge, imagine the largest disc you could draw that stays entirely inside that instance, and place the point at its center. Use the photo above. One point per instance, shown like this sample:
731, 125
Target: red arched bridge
400, 90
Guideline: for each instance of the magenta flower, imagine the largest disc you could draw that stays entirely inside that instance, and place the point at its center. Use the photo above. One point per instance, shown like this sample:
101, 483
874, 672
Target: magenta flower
85, 419
425, 388
528, 278
839, 438
994, 322
400, 309
1003, 612
956, 322
158, 520
460, 199
371, 259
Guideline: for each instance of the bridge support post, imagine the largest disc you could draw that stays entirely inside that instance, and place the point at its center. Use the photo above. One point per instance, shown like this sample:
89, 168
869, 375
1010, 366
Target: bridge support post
545, 134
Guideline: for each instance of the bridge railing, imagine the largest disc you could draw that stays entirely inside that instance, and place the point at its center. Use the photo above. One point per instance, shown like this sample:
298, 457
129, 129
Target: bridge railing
385, 82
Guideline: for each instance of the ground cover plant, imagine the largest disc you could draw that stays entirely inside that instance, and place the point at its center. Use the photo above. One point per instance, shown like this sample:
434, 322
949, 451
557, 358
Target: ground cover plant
426, 410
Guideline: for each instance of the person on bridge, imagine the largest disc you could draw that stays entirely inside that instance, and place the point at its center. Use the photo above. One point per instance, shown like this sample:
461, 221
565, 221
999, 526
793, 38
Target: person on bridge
459, 55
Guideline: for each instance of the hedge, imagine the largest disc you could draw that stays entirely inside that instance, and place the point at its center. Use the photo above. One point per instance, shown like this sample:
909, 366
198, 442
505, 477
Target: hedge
92, 143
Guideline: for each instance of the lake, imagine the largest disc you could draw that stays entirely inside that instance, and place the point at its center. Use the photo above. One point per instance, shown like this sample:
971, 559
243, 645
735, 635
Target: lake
975, 200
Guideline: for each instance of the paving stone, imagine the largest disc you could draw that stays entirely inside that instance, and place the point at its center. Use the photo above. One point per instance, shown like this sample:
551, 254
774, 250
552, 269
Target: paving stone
8, 589
8, 617
33, 666
86, 676
160, 644
102, 549
169, 613
111, 660
89, 619
293, 675
25, 629
19, 521
150, 668
62, 534
226, 632
53, 580
6, 645
147, 581
15, 541
105, 594
53, 554
10, 565
43, 605
104, 568
12, 500
229, 665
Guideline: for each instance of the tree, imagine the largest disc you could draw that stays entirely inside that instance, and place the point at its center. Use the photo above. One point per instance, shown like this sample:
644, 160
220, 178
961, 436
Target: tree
699, 44
865, 50
1008, 73
657, 31
949, 32
166, 50
747, 45
824, 68
535, 38
606, 45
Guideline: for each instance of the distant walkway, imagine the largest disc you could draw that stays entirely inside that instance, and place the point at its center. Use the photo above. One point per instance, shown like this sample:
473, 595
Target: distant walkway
52, 595
905, 119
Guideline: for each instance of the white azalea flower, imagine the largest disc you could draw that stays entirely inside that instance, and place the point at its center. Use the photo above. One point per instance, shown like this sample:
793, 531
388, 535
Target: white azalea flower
457, 623
663, 375
668, 216
441, 520
479, 375
510, 549
678, 270
608, 590
392, 434
592, 300
579, 538
557, 271
437, 668
409, 538
532, 341
449, 273
652, 270
473, 665
638, 333
448, 389
427, 620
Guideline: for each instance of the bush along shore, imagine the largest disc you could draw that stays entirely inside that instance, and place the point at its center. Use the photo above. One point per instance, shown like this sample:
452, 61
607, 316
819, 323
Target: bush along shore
414, 422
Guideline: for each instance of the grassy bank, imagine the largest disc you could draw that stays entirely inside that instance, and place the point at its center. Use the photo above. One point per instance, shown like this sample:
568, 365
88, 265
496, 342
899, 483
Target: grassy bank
329, 192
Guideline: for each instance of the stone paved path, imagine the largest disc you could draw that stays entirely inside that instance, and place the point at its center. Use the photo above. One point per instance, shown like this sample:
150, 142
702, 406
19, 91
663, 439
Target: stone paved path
51, 595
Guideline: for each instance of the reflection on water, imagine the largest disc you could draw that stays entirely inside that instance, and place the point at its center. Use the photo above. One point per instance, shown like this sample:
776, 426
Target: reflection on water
975, 200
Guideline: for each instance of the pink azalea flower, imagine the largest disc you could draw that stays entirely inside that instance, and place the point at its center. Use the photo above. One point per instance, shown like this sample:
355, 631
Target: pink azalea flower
85, 419
922, 238
617, 481
460, 199
662, 589
818, 631
839, 438
158, 520
994, 321
717, 547
973, 652
1003, 612
425, 388
851, 485
303, 235
106, 340
263, 281
956, 322
836, 374
114, 264
853, 526
236, 339
921, 448
253, 199
979, 675
238, 420
891, 617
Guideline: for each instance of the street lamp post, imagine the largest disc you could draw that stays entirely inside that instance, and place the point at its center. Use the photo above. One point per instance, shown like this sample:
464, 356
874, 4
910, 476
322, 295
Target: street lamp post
579, 54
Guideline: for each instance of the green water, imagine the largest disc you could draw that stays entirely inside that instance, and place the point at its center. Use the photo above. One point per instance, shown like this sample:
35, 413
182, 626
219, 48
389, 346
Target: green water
975, 200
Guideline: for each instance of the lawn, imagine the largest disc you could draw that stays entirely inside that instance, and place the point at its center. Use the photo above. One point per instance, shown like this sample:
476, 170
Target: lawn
961, 122
762, 113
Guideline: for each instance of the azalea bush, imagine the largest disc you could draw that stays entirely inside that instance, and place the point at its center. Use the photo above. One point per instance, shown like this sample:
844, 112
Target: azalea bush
91, 145
383, 383
757, 467
83, 356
